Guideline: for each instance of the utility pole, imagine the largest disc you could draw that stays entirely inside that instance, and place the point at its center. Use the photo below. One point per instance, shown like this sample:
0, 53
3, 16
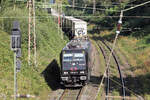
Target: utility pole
58, 17
14, 3
31, 32
84, 8
73, 4
94, 6
34, 34
45, 4
61, 21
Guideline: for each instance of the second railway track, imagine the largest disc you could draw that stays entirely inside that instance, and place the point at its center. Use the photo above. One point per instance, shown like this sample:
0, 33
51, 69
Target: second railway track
104, 47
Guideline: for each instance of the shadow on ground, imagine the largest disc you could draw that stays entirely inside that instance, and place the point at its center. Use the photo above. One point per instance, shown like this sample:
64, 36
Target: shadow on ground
109, 38
95, 80
52, 75
138, 85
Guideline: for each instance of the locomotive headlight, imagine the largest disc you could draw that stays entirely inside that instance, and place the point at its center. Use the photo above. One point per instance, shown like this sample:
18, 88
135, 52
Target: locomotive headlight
82, 77
81, 72
65, 73
64, 78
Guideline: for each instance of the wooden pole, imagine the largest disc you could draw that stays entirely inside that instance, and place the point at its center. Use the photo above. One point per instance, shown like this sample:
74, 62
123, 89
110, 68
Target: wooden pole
58, 19
14, 4
73, 4
29, 33
94, 6
34, 34
61, 21
45, 4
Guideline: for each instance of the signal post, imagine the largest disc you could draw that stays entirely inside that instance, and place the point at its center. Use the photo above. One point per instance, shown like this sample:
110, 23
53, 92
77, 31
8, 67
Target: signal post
16, 47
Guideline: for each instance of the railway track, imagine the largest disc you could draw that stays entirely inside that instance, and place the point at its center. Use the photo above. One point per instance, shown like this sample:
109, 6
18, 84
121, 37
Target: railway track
103, 46
72, 94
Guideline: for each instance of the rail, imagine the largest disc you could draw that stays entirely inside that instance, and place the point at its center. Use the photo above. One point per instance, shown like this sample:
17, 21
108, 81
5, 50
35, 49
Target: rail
118, 66
71, 94
107, 72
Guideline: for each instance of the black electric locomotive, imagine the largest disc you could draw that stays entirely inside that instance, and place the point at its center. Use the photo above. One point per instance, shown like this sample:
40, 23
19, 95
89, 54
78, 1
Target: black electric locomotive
76, 63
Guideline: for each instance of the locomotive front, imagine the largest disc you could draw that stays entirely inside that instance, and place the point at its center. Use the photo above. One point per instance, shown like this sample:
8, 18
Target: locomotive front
74, 67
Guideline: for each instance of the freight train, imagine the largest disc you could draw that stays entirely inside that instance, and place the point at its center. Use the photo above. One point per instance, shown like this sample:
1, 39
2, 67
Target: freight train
75, 58
76, 62
71, 26
74, 27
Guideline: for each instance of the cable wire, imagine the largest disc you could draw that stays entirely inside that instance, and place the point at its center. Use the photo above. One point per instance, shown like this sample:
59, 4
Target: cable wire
136, 6
42, 17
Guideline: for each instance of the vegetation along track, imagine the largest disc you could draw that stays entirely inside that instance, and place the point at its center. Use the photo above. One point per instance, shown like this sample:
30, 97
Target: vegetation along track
102, 45
71, 94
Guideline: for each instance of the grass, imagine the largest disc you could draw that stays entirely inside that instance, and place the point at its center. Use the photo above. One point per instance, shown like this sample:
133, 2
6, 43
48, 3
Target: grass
136, 51
102, 68
136, 54
49, 45
101, 57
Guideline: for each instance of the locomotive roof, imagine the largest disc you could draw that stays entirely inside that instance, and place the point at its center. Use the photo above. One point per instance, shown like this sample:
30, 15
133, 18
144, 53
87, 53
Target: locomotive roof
68, 17
74, 19
79, 21
78, 43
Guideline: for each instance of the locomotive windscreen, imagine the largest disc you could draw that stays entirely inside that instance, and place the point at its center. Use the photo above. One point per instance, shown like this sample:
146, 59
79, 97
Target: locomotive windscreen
74, 57
79, 57
74, 60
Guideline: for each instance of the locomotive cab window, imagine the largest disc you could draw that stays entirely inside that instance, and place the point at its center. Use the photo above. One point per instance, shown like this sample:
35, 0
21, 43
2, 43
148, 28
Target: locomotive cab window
67, 57
79, 57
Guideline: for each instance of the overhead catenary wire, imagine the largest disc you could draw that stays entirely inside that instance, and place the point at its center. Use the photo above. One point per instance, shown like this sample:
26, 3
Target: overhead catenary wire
89, 8
42, 17
81, 7
136, 6
129, 5
113, 4
146, 17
